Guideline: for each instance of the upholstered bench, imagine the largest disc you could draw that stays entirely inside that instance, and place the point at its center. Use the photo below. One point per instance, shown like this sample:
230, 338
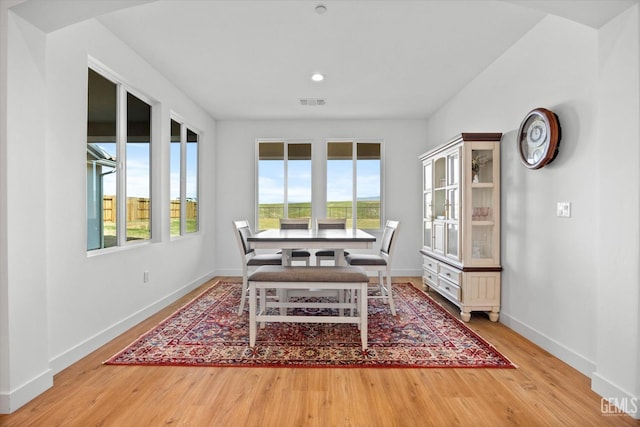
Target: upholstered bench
288, 279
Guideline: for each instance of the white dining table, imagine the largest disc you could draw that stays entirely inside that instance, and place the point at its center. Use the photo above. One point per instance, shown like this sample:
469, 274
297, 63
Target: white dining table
332, 239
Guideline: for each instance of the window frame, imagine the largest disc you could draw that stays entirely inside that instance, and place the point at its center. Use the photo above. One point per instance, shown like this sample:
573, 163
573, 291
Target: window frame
123, 88
354, 190
286, 142
185, 126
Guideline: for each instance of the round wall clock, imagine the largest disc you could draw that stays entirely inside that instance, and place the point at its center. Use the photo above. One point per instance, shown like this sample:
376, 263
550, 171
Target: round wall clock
539, 138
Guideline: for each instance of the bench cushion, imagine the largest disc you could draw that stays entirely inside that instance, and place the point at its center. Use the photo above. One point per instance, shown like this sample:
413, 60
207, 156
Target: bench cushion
308, 274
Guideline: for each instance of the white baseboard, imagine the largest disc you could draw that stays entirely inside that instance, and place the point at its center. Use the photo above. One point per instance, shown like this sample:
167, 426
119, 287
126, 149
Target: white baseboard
17, 397
615, 400
562, 352
407, 273
73, 354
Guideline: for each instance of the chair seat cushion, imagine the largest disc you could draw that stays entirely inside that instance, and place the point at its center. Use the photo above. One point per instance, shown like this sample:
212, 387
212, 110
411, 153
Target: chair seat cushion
329, 253
298, 253
266, 259
365, 259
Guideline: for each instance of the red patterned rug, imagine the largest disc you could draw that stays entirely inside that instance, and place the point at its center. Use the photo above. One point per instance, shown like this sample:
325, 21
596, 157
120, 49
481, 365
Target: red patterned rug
208, 332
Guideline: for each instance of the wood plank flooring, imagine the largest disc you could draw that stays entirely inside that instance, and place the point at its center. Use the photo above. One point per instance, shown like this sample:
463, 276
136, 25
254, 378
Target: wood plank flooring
543, 391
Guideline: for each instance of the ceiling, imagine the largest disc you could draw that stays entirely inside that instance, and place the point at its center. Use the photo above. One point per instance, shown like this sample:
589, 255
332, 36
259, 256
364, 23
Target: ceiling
244, 59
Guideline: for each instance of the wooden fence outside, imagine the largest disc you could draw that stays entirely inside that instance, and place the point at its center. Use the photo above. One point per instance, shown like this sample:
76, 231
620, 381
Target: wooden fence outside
138, 208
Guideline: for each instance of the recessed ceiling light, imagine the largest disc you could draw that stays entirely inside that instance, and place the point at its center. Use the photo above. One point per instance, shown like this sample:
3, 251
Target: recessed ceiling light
320, 9
317, 77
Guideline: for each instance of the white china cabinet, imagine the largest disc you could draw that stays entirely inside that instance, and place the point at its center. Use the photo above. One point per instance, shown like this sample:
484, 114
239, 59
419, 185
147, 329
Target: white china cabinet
461, 222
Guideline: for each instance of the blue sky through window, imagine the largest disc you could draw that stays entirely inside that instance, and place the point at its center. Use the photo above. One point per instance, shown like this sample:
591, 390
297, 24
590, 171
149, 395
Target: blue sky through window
340, 180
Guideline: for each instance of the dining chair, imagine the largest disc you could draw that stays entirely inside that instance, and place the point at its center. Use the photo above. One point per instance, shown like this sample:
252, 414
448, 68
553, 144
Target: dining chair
299, 224
380, 262
250, 260
329, 224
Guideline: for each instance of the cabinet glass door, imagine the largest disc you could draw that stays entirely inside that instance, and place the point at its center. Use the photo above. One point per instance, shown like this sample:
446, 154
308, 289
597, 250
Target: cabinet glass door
453, 249
427, 237
453, 168
438, 237
428, 176
427, 241
482, 206
453, 205
482, 166
481, 241
452, 234
427, 207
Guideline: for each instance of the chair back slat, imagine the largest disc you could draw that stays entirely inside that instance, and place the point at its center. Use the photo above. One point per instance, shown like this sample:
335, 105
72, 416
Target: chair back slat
331, 224
294, 223
387, 240
244, 231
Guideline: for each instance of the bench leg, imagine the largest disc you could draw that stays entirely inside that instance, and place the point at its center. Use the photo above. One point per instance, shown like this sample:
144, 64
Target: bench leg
262, 309
252, 315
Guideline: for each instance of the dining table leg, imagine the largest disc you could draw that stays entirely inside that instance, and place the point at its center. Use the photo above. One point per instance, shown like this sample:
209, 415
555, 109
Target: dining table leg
286, 257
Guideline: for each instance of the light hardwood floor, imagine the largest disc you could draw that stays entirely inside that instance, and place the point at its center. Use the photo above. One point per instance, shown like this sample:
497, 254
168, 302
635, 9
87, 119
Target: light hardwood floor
542, 391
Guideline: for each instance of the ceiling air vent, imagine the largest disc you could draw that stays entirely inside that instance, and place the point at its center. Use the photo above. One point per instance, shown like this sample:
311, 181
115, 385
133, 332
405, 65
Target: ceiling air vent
312, 101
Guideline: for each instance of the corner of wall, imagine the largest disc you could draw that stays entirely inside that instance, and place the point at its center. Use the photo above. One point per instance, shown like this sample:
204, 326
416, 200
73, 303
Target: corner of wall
617, 374
14, 399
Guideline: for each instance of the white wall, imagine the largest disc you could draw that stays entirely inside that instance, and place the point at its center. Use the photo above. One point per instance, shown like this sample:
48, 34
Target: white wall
618, 152
62, 302
403, 140
25, 367
555, 271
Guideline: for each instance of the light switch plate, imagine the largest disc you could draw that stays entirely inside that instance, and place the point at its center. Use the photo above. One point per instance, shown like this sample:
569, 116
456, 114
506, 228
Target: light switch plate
564, 209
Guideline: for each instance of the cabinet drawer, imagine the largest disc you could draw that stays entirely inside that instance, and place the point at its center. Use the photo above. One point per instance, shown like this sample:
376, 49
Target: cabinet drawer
449, 288
450, 274
431, 265
429, 277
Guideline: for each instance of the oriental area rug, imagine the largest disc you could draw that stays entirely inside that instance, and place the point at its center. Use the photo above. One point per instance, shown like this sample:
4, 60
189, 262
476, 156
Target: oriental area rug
209, 332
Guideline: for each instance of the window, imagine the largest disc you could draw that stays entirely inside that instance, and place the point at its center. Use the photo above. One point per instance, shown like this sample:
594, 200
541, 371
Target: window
184, 216
354, 183
118, 164
284, 182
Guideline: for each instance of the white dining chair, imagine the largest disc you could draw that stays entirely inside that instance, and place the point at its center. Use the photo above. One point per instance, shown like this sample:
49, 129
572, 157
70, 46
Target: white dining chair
380, 262
299, 224
329, 224
250, 260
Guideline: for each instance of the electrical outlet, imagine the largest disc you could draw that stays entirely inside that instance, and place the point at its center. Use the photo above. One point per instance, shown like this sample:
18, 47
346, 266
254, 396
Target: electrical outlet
145, 276
564, 209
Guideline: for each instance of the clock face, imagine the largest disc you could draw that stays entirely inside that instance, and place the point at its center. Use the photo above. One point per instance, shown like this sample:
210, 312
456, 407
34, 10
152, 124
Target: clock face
538, 138
537, 133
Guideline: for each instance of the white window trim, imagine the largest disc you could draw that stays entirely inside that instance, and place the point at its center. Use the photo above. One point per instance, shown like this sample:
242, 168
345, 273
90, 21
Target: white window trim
354, 190
286, 142
184, 125
123, 87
